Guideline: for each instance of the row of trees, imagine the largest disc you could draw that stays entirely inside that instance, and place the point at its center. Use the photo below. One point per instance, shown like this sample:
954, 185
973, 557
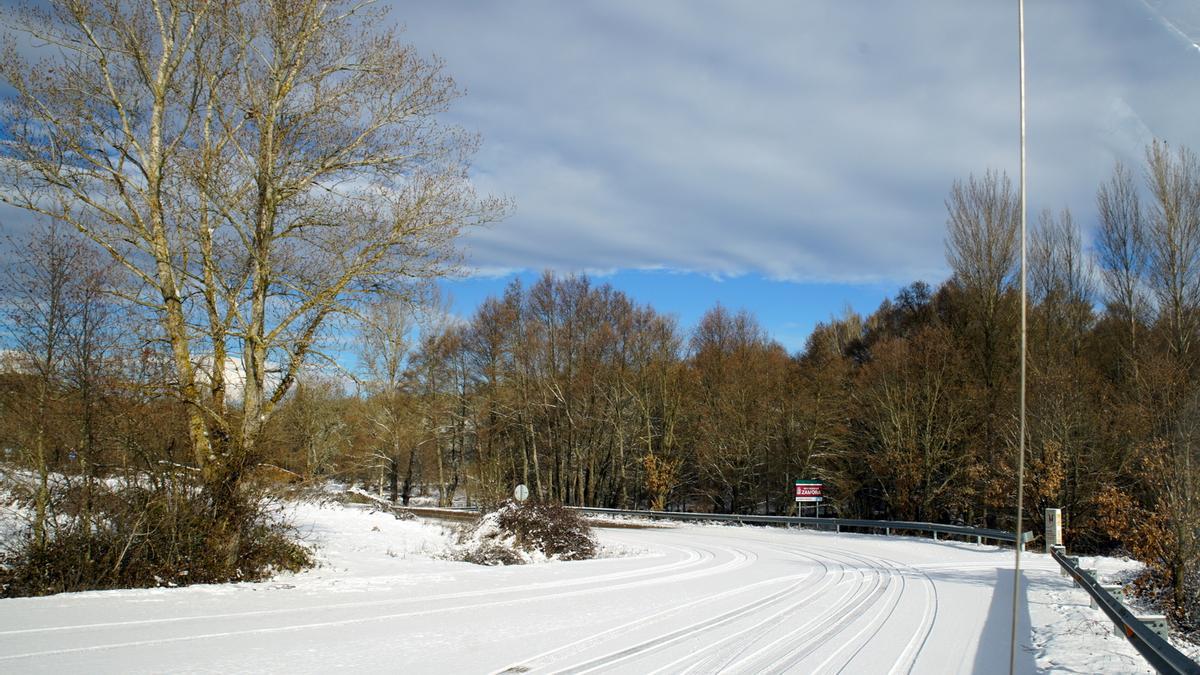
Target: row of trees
908, 412
588, 397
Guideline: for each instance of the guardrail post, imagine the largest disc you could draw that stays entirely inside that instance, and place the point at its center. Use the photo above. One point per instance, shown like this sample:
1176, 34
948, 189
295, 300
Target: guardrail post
1074, 560
887, 531
1156, 623
935, 535
1115, 590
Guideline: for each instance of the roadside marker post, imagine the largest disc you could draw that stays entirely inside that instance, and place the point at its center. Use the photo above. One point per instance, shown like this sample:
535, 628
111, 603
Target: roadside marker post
1054, 536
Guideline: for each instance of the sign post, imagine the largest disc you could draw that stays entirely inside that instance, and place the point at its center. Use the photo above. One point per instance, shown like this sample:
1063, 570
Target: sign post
809, 492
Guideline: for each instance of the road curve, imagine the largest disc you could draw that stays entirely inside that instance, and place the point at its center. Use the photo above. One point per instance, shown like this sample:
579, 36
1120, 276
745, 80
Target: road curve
691, 599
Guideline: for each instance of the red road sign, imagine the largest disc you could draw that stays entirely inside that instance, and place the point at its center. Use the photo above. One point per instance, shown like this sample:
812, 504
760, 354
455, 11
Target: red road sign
808, 491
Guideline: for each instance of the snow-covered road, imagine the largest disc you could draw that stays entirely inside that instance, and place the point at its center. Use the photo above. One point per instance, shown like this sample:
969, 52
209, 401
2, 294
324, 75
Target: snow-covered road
692, 599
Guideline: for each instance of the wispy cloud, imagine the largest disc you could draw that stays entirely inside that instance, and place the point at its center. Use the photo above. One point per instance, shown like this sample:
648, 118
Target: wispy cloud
796, 141
800, 141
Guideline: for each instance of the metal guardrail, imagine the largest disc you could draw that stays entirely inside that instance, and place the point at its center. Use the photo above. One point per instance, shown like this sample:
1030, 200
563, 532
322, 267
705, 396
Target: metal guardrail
979, 533
1157, 651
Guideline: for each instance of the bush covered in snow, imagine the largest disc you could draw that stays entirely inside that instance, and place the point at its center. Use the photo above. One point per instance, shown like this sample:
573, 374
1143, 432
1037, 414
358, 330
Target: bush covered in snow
516, 534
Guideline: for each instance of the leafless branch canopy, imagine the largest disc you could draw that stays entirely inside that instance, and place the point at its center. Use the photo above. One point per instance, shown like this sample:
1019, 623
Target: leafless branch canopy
259, 167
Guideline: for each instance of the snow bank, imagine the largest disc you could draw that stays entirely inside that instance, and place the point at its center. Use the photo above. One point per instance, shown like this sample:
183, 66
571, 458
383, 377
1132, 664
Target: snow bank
353, 540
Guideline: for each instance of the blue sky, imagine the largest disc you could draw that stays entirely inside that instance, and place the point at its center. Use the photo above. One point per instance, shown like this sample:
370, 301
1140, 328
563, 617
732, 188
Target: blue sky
787, 157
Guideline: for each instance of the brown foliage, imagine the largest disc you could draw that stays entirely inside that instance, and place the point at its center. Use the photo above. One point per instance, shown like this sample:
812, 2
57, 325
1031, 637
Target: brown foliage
661, 476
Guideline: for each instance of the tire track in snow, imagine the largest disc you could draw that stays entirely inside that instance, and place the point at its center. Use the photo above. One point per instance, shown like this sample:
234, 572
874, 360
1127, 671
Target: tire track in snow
873, 624
647, 647
538, 661
671, 637
794, 645
865, 637
921, 631
708, 665
762, 627
738, 560
692, 557
880, 581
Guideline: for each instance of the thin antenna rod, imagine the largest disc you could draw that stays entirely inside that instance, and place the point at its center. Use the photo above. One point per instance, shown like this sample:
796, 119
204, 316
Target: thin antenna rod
1019, 544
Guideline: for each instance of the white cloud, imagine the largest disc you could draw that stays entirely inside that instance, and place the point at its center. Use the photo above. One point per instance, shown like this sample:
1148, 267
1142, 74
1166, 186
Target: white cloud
801, 141
806, 141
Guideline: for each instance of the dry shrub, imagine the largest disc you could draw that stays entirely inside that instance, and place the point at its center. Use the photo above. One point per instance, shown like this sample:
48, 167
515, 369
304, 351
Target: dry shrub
661, 475
490, 553
1167, 582
519, 533
550, 529
157, 533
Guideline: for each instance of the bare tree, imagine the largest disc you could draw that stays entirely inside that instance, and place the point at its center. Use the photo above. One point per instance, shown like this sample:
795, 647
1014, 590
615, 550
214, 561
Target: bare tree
1173, 237
981, 247
385, 344
1061, 280
657, 391
982, 232
489, 346
739, 373
1121, 250
40, 310
1172, 469
913, 422
313, 424
258, 167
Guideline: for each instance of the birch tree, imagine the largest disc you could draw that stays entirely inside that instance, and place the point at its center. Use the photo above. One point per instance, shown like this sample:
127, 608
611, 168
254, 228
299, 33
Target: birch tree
258, 167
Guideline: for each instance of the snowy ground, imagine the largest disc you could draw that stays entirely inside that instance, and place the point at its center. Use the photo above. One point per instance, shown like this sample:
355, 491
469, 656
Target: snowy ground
687, 599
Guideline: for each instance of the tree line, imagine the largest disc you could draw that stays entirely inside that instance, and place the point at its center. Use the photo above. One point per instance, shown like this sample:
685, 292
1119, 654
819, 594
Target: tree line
589, 398
908, 412
229, 189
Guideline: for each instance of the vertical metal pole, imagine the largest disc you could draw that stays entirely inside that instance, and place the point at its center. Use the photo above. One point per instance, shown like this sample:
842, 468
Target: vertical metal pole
1012, 653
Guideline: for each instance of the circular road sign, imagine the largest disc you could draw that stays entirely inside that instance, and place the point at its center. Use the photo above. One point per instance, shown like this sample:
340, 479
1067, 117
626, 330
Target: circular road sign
521, 493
